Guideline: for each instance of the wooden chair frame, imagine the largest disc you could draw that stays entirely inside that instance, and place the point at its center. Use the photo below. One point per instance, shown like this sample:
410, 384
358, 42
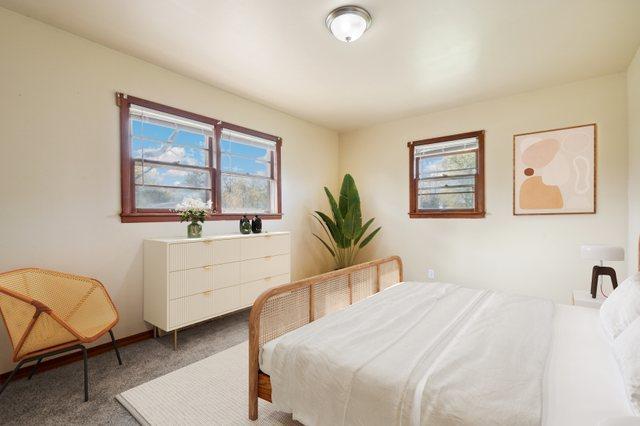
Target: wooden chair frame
282, 309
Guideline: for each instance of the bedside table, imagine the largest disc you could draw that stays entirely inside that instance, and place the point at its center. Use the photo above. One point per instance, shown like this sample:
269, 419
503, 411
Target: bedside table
583, 298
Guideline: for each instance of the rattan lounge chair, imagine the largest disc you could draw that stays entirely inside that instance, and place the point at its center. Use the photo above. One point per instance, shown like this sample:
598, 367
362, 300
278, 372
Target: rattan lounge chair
47, 313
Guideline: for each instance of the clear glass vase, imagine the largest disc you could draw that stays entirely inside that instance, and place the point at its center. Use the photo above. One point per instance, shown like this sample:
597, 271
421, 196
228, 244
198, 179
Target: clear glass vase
194, 230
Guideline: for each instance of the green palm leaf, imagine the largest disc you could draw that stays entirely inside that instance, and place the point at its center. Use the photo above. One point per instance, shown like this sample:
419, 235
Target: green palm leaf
350, 226
337, 215
349, 197
369, 237
333, 253
336, 233
363, 230
324, 227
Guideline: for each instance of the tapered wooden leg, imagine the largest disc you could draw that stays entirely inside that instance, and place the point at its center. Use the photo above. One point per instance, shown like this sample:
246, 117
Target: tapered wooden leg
175, 340
253, 393
253, 408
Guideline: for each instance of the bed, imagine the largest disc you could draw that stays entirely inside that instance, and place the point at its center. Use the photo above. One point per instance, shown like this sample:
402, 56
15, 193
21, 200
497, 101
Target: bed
571, 376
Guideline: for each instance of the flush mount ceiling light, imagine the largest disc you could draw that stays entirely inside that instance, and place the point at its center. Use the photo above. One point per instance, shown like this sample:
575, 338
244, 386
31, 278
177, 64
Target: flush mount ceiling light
348, 23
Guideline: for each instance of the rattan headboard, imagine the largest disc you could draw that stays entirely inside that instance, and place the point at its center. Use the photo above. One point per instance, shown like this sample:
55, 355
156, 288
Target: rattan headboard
290, 306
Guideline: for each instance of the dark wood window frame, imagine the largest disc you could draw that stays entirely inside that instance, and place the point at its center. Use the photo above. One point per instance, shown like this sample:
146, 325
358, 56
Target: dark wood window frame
129, 211
478, 211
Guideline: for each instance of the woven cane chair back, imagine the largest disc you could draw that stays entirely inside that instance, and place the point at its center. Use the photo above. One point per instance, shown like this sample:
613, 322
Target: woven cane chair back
45, 309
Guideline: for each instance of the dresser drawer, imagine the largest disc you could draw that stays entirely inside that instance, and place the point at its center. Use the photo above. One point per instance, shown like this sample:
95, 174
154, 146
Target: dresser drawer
191, 281
226, 300
251, 290
255, 269
190, 255
226, 275
267, 245
225, 251
191, 308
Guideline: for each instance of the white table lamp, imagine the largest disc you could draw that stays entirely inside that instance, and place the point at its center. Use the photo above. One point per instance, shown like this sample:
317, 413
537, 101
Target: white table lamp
602, 252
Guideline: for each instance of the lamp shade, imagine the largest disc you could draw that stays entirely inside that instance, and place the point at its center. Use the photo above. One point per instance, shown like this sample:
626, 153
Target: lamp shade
601, 252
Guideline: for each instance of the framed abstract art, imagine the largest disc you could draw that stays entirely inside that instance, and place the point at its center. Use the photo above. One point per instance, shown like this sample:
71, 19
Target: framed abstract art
554, 171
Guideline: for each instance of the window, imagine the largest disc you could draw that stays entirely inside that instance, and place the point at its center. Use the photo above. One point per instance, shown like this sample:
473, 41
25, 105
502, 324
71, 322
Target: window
171, 159
248, 173
169, 154
447, 176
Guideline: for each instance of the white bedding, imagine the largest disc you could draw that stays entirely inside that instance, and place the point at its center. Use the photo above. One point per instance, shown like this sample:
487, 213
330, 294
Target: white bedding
581, 383
418, 353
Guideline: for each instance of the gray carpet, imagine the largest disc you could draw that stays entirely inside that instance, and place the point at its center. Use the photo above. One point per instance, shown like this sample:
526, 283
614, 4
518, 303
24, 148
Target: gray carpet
56, 396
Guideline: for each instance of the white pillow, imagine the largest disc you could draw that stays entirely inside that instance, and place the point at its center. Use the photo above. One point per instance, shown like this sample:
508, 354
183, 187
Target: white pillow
626, 348
622, 307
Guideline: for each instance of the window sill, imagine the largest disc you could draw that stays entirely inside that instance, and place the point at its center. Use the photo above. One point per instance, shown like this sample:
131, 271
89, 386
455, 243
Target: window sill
174, 217
447, 215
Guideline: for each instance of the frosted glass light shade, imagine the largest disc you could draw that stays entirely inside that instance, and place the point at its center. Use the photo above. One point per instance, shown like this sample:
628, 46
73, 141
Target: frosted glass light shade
348, 23
601, 252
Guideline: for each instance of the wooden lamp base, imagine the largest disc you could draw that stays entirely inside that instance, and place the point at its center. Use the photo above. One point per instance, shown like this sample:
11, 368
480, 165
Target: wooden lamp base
600, 271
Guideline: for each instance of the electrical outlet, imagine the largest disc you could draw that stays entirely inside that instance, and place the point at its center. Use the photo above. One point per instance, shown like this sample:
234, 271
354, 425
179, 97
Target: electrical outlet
431, 274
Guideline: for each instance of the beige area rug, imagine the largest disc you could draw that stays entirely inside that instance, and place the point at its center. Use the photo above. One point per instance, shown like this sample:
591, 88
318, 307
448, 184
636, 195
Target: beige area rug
212, 391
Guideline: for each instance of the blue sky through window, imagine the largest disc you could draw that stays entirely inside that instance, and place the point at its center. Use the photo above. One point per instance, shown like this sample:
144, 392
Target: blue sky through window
151, 141
172, 160
162, 143
168, 134
242, 158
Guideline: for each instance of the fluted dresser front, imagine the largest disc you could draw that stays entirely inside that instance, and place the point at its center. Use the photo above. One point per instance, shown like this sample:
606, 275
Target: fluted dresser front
190, 280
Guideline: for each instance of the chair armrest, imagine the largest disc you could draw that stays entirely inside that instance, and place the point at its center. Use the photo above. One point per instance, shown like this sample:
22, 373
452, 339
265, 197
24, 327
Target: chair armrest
40, 307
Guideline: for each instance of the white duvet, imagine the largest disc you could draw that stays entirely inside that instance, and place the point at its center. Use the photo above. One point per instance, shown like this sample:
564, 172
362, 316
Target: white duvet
418, 353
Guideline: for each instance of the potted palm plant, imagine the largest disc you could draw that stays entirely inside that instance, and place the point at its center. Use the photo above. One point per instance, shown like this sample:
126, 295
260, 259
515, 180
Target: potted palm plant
344, 231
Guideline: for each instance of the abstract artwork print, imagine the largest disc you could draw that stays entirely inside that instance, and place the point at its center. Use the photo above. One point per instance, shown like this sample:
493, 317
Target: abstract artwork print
554, 171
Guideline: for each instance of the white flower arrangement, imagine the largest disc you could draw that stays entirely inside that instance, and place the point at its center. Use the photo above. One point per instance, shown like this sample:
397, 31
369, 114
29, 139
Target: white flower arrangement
193, 210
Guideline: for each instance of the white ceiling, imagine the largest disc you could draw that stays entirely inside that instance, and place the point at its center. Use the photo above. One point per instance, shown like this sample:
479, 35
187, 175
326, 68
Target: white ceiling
418, 56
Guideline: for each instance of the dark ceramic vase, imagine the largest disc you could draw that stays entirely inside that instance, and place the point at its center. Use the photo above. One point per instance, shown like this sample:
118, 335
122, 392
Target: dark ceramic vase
245, 225
256, 225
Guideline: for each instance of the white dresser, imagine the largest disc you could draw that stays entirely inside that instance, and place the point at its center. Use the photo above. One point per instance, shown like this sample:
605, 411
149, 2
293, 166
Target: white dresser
189, 280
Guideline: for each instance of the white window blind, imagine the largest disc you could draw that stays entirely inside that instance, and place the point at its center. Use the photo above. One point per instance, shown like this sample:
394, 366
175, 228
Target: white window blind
446, 175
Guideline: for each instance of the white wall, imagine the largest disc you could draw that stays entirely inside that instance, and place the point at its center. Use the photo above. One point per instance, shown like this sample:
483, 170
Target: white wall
535, 255
60, 171
633, 99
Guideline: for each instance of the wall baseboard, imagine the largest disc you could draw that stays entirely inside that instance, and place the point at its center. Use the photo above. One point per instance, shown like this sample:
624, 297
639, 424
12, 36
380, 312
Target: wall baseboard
77, 356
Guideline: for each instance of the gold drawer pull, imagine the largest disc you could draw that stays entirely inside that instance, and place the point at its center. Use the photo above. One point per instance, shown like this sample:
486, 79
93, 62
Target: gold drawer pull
207, 267
268, 257
207, 241
206, 293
